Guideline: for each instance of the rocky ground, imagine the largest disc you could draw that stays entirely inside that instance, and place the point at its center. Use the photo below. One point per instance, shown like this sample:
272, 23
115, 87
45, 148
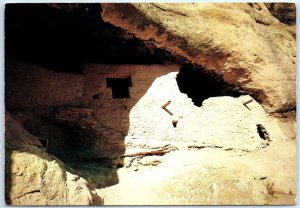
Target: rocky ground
208, 176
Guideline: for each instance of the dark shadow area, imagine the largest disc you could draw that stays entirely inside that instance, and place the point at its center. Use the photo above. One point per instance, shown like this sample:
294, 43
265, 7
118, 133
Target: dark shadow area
73, 145
95, 97
97, 174
284, 12
62, 37
63, 141
199, 85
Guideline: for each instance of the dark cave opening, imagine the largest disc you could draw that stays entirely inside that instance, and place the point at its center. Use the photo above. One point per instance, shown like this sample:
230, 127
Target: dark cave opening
199, 84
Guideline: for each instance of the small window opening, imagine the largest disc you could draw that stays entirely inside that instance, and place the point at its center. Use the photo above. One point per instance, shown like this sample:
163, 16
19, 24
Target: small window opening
119, 87
95, 97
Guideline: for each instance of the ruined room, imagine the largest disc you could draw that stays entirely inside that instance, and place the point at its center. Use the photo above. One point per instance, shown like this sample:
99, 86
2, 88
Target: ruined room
135, 104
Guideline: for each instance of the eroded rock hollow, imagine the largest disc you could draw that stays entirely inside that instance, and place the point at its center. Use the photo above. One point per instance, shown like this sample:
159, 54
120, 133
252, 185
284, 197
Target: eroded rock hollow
139, 104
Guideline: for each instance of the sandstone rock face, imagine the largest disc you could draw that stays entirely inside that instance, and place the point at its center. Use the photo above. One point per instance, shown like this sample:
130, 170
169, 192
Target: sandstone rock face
242, 42
33, 177
284, 12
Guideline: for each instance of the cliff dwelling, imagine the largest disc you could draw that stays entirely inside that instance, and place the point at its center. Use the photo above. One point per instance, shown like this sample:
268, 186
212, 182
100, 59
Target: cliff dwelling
114, 102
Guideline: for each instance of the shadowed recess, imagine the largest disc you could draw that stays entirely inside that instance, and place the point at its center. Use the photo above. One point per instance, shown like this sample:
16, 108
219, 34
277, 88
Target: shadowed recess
199, 85
62, 37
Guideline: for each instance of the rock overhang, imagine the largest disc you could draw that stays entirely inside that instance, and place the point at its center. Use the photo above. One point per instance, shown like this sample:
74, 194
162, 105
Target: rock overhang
254, 52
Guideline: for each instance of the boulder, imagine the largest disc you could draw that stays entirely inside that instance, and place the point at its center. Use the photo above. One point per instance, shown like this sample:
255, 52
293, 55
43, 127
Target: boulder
34, 177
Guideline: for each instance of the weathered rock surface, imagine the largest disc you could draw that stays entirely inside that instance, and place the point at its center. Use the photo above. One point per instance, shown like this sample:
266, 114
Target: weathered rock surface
209, 177
33, 177
242, 42
221, 122
284, 12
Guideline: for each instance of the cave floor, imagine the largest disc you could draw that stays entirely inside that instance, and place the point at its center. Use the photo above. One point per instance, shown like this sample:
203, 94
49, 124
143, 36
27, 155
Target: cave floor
209, 176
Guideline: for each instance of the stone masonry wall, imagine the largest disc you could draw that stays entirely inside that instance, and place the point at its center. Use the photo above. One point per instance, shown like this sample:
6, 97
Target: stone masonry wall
39, 91
31, 86
111, 112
